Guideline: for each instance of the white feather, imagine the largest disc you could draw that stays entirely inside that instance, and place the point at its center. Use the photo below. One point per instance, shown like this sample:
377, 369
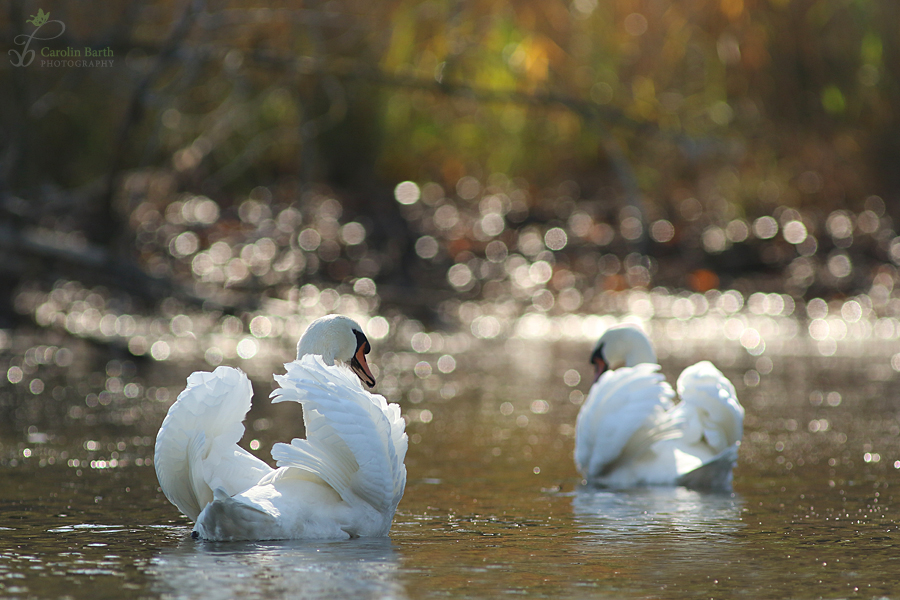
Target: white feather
355, 441
621, 404
196, 447
709, 397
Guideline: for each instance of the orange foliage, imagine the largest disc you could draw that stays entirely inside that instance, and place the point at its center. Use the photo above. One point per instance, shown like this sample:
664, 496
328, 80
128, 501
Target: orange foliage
703, 280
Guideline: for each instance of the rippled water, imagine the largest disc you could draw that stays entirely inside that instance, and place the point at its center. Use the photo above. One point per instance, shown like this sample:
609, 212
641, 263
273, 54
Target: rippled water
493, 506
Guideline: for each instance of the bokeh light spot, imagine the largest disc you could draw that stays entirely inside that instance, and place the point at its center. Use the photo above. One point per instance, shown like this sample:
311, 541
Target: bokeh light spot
160, 350
794, 232
460, 277
446, 216
631, 228
492, 225
556, 239
309, 239
737, 231
14, 374
635, 24
446, 364
839, 265
540, 407
714, 240
247, 348
540, 272
353, 233
422, 369
817, 308
378, 328
839, 225
407, 193
662, 231
427, 247
765, 228
496, 251
468, 187
851, 311
420, 342
365, 287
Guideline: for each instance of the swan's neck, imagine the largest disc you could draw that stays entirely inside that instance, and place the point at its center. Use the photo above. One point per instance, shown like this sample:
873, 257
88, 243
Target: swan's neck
639, 355
630, 347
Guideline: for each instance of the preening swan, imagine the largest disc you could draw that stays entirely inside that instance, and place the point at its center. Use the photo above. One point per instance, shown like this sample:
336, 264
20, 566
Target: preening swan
629, 432
344, 480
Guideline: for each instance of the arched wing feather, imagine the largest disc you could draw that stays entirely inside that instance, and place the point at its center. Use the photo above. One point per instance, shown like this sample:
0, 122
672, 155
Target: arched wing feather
196, 447
355, 441
621, 405
709, 407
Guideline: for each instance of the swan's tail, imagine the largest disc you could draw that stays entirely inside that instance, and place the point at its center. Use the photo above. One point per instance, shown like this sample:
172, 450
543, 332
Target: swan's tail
714, 475
196, 447
226, 519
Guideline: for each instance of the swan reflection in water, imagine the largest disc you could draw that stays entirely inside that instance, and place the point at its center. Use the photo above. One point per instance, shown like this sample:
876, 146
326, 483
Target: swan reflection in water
668, 538
359, 568
696, 521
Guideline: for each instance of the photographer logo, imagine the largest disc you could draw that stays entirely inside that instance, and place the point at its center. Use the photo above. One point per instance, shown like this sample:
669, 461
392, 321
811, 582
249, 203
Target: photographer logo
46, 30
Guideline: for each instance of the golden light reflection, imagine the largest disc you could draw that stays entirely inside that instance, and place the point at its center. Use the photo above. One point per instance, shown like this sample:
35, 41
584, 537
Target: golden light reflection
505, 263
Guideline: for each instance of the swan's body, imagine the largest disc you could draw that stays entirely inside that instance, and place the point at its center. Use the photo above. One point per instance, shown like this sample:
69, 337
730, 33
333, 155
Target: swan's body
344, 480
630, 433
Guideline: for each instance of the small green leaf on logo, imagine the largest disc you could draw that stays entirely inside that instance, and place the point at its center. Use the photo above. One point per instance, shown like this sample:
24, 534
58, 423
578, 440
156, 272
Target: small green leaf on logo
39, 19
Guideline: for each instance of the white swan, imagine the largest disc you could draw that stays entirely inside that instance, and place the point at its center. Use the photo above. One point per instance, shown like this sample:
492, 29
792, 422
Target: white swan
629, 432
344, 480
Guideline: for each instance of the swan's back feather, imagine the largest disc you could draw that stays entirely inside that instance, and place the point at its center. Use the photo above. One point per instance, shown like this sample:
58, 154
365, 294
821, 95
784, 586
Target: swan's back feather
196, 448
355, 441
622, 403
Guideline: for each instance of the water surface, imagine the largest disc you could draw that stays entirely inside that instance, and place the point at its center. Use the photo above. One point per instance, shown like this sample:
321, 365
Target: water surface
493, 507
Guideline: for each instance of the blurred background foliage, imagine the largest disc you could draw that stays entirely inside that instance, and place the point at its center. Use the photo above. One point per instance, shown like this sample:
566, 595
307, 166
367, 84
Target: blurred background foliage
234, 150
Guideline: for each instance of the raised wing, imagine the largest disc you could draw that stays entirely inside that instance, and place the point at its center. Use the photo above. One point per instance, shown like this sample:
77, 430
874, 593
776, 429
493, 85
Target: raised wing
709, 407
196, 447
621, 410
355, 441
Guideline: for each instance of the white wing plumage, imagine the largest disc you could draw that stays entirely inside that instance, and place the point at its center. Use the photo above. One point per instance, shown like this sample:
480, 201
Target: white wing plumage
618, 418
355, 441
709, 407
196, 448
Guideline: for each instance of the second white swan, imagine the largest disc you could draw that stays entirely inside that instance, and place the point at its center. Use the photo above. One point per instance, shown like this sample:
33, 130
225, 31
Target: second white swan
630, 433
344, 480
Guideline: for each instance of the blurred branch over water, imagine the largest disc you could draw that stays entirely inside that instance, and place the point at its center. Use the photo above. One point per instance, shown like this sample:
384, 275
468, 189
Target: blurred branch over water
230, 153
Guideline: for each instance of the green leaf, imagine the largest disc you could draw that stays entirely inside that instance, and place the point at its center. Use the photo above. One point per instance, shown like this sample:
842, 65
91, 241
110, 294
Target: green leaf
40, 18
833, 100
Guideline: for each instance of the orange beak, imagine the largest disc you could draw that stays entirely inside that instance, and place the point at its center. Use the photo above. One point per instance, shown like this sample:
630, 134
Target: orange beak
361, 367
599, 367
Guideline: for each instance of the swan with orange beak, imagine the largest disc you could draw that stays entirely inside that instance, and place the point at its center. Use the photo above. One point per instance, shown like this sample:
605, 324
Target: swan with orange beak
629, 432
344, 480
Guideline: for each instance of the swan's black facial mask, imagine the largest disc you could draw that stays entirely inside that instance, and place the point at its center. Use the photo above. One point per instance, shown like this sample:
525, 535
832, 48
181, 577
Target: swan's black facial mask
599, 363
358, 363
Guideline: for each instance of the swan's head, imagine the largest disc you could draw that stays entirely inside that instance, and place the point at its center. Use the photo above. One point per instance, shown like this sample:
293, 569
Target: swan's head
338, 338
621, 346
